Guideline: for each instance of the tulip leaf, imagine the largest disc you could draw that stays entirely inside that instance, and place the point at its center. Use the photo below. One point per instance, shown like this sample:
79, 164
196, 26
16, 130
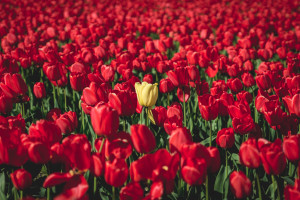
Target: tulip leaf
2, 196
2, 182
222, 183
288, 180
206, 141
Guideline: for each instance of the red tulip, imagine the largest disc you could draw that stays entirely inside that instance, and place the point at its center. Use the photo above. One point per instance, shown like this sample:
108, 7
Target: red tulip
39, 153
107, 73
132, 191
235, 85
243, 125
215, 160
159, 115
178, 138
14, 87
273, 158
148, 78
291, 193
240, 185
6, 103
248, 79
263, 82
67, 122
39, 90
165, 85
105, 120
179, 77
77, 150
292, 104
118, 145
208, 106
291, 147
142, 138
97, 165
225, 138
116, 172
249, 154
21, 179
124, 102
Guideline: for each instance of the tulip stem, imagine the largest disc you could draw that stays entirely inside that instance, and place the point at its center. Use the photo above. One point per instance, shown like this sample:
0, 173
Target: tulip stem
147, 118
113, 193
168, 98
48, 193
184, 115
65, 97
258, 185
82, 119
206, 188
21, 194
226, 163
274, 184
124, 125
95, 185
102, 144
54, 96
210, 133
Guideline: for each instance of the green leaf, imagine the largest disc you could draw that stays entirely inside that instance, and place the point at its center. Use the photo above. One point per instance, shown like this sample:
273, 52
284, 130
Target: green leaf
222, 183
2, 196
288, 180
2, 182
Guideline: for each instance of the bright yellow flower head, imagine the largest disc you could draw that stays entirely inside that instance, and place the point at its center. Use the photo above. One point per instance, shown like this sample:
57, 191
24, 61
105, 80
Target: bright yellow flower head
146, 93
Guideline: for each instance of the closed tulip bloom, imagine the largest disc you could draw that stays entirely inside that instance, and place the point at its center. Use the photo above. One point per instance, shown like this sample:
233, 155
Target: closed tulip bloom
248, 79
292, 104
263, 82
132, 191
116, 172
273, 158
292, 192
148, 78
225, 138
235, 85
159, 115
39, 90
124, 102
193, 171
209, 107
240, 185
215, 160
21, 179
142, 138
105, 120
147, 94
6, 104
179, 137
249, 154
165, 85
67, 122
291, 147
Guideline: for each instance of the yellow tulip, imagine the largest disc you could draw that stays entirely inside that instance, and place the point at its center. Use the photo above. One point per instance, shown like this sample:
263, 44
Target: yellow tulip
146, 93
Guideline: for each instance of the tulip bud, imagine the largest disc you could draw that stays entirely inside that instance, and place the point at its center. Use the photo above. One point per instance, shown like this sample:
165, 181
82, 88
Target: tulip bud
116, 172
291, 147
147, 94
21, 179
142, 138
249, 154
105, 120
225, 138
39, 90
240, 185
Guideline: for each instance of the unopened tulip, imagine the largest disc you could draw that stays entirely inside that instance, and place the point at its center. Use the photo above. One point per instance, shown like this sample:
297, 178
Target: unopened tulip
147, 94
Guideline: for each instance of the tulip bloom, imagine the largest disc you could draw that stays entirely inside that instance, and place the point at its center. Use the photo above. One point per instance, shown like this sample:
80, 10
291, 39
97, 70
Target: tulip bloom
209, 107
147, 94
291, 147
240, 185
105, 120
273, 158
67, 122
39, 90
21, 179
142, 138
249, 154
116, 172
225, 138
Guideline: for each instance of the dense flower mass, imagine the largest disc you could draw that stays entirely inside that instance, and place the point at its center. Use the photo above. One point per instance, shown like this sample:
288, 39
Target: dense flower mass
142, 99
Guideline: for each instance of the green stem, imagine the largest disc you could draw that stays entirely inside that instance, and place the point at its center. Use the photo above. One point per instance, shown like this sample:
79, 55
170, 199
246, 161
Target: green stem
258, 185
43, 108
147, 118
210, 133
184, 115
274, 184
168, 98
102, 144
206, 188
74, 99
95, 184
113, 193
48, 193
226, 166
54, 96
21, 194
65, 97
82, 120
124, 124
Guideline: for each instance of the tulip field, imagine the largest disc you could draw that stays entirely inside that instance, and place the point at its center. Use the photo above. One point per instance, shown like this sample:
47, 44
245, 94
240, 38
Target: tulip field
148, 100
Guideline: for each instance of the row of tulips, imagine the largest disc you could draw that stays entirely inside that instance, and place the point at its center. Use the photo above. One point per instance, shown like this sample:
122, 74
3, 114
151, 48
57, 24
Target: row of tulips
149, 100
